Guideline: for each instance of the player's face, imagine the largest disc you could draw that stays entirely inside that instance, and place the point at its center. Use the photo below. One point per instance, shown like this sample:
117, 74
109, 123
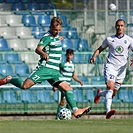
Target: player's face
120, 27
55, 30
69, 57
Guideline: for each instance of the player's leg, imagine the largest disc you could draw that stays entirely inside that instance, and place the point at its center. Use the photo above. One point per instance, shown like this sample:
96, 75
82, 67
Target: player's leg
61, 105
70, 100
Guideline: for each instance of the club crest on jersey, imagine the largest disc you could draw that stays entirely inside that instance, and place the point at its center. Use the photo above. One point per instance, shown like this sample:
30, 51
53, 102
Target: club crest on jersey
119, 49
125, 41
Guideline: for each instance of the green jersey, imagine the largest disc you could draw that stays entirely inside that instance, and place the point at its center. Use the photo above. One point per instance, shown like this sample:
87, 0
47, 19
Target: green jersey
52, 46
67, 69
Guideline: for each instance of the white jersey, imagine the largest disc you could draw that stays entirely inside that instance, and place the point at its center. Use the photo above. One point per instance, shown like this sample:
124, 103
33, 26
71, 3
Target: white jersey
118, 49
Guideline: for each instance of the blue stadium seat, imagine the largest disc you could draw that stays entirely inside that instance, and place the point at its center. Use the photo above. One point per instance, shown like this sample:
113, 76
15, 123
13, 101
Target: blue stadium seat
27, 96
84, 79
90, 95
1, 1
38, 32
29, 20
1, 98
56, 95
22, 70
44, 96
1, 59
77, 58
4, 45
84, 58
75, 44
64, 20
11, 1
116, 99
10, 97
48, 6
79, 96
130, 95
19, 8
72, 33
34, 6
95, 80
44, 20
43, 1
66, 44
12, 58
27, 1
83, 45
7, 70
124, 95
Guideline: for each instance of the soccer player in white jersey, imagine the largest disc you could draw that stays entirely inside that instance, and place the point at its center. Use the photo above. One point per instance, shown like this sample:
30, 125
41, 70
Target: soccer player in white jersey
49, 49
67, 69
115, 66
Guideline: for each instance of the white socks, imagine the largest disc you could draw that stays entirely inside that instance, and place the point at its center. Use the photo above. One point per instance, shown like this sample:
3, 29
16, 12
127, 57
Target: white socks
108, 99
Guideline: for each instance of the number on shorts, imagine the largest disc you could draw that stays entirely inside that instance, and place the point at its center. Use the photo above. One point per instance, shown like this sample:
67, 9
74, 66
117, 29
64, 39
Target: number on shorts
36, 77
111, 76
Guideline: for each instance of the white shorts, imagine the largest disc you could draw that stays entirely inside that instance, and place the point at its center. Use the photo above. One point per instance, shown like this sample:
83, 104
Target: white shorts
115, 74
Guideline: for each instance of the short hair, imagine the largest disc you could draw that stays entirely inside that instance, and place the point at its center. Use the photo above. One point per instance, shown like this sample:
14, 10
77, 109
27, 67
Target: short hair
69, 51
119, 20
56, 21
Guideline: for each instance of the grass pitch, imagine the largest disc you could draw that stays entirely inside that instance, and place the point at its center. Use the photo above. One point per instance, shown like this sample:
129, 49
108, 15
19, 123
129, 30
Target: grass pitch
68, 126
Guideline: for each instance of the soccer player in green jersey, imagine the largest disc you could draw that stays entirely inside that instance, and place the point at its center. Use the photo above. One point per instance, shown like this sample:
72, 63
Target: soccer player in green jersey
50, 50
67, 69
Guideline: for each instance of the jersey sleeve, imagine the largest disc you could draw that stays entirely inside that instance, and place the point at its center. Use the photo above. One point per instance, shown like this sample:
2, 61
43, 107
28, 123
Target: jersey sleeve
105, 43
44, 41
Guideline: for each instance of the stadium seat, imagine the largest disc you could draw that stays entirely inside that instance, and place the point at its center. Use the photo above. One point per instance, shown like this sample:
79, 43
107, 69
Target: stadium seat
79, 96
11, 1
84, 58
77, 58
64, 20
27, 96
27, 1
97, 80
38, 32
32, 43
90, 95
24, 32
29, 21
1, 98
12, 58
14, 20
17, 44
22, 70
7, 69
72, 33
84, 79
42, 1
83, 45
48, 6
8, 32
34, 6
1, 59
44, 96
3, 21
4, 45
75, 43
44, 20
19, 8
10, 97
66, 44
124, 95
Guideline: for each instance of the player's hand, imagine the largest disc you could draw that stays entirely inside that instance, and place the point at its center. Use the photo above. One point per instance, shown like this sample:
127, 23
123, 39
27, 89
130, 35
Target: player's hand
92, 60
61, 38
131, 62
45, 56
82, 83
54, 89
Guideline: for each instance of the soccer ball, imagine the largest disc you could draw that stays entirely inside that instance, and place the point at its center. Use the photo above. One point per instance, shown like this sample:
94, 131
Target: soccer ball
112, 7
65, 114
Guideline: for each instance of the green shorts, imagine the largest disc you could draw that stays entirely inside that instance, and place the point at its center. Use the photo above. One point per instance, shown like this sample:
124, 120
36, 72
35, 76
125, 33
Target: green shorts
42, 73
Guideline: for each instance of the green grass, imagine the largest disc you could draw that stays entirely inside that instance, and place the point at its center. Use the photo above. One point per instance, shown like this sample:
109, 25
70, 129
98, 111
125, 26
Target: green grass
69, 126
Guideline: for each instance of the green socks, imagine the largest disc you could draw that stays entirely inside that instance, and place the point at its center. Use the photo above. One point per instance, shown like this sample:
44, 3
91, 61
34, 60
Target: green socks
17, 82
70, 99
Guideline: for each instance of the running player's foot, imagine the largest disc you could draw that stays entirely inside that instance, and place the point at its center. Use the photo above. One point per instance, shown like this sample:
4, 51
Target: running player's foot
110, 113
97, 98
81, 112
4, 80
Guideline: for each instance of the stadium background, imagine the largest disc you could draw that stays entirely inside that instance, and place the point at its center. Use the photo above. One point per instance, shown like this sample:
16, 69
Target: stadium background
86, 23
